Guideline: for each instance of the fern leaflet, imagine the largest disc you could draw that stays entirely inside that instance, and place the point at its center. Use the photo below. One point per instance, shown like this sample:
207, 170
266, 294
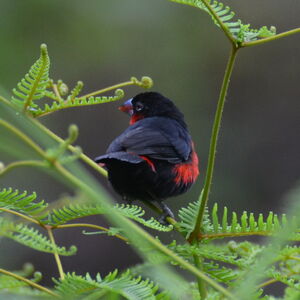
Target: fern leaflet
248, 225
133, 288
188, 216
223, 17
21, 202
75, 211
32, 238
76, 102
33, 85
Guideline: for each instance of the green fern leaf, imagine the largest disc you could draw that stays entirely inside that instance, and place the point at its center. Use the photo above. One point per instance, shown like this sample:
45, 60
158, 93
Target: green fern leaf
287, 277
222, 274
76, 91
240, 255
32, 238
75, 211
12, 284
21, 202
188, 216
33, 86
223, 17
247, 225
71, 212
136, 213
133, 288
76, 102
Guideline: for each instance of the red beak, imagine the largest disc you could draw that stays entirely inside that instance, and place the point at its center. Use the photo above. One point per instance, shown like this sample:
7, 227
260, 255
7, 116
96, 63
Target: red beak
127, 107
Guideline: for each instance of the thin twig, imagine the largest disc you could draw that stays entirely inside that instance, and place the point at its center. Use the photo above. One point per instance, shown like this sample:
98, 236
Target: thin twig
29, 282
57, 258
73, 225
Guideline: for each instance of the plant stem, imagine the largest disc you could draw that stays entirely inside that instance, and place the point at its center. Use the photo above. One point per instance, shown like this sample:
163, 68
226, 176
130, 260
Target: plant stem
5, 101
22, 163
213, 142
218, 20
37, 80
56, 92
113, 87
90, 226
23, 137
57, 258
271, 38
21, 215
29, 282
200, 282
82, 156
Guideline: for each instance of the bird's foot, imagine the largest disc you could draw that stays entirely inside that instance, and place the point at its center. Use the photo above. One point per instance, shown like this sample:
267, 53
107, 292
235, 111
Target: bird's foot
167, 213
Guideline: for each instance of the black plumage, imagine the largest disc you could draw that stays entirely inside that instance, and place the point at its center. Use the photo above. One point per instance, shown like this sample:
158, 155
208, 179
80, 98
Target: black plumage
153, 159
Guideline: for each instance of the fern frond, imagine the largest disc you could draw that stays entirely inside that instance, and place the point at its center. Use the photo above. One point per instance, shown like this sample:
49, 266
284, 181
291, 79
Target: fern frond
33, 86
76, 102
32, 238
71, 212
239, 255
22, 293
21, 202
247, 224
133, 288
136, 213
221, 253
11, 283
188, 216
223, 17
289, 251
220, 273
75, 211
287, 277
76, 91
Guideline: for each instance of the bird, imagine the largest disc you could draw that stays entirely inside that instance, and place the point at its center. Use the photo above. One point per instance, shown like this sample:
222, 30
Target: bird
154, 158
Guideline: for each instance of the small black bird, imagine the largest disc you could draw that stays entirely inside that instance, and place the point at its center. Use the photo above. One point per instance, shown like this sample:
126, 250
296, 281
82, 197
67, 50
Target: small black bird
154, 158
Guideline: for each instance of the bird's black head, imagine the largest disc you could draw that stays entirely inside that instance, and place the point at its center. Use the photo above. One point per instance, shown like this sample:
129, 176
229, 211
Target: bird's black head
151, 104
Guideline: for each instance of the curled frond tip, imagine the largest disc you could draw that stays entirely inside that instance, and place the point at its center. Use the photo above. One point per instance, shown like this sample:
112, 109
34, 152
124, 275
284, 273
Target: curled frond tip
119, 93
43, 49
73, 132
146, 82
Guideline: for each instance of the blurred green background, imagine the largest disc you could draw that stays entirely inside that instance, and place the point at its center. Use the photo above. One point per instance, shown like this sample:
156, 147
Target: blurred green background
106, 42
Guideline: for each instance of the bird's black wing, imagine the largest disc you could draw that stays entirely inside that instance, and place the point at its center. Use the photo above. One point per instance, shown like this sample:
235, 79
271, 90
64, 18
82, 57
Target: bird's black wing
157, 137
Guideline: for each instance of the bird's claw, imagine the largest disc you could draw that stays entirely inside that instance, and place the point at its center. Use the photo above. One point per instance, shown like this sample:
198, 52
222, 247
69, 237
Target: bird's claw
167, 213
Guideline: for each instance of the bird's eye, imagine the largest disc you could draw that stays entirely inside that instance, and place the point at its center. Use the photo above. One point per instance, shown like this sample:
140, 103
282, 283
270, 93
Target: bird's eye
139, 106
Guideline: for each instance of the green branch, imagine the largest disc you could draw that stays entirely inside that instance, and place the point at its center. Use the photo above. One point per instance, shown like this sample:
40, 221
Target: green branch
73, 225
232, 234
221, 24
213, 143
29, 282
22, 163
271, 38
145, 82
200, 282
82, 156
23, 137
57, 258
21, 216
